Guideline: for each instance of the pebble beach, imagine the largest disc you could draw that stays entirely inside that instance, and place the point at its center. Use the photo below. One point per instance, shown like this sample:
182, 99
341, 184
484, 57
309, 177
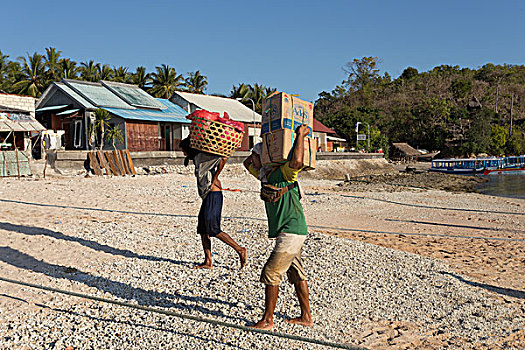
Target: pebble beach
382, 273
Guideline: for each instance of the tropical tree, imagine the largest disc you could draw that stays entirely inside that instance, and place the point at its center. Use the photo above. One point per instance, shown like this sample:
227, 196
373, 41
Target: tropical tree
114, 135
4, 66
98, 128
140, 77
121, 74
241, 91
257, 93
32, 79
69, 68
165, 81
52, 63
88, 70
196, 83
104, 72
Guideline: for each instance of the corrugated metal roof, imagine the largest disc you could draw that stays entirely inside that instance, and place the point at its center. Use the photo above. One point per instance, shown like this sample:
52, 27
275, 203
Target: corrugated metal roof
51, 108
97, 94
19, 122
236, 110
133, 95
170, 113
81, 100
69, 111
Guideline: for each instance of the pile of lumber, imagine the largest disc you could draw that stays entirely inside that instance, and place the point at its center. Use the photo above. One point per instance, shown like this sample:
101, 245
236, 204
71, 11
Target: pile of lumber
117, 162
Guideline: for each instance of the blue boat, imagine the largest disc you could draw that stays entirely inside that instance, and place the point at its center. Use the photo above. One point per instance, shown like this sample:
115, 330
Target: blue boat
510, 164
465, 165
485, 166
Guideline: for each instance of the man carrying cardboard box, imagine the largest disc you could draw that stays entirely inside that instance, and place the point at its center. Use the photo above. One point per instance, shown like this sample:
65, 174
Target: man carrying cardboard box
286, 223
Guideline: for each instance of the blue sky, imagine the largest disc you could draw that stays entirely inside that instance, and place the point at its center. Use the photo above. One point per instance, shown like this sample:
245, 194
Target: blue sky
295, 46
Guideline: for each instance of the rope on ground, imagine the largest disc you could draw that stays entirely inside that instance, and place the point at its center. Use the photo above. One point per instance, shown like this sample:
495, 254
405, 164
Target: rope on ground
264, 220
189, 317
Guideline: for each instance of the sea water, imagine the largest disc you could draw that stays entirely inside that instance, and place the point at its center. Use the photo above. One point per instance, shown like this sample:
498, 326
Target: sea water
504, 185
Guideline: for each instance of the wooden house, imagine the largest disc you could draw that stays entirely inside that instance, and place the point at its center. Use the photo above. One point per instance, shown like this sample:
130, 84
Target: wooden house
146, 123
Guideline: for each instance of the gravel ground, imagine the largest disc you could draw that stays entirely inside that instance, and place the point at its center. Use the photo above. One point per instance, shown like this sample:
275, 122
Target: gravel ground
361, 294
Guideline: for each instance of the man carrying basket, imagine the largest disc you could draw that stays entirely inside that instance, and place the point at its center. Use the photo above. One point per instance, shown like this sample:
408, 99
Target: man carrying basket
207, 169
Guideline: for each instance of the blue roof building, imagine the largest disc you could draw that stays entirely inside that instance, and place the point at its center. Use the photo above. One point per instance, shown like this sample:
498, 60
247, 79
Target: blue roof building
146, 123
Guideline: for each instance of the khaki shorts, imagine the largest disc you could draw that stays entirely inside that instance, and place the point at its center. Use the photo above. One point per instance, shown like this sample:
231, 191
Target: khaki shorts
285, 258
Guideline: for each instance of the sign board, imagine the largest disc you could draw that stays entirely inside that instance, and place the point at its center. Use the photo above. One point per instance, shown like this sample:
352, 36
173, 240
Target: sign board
361, 137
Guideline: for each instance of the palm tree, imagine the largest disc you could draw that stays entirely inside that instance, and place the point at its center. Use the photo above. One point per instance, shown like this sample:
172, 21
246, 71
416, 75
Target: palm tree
196, 83
32, 77
52, 63
121, 74
69, 68
88, 70
104, 72
114, 135
165, 81
99, 126
241, 91
4, 65
256, 92
12, 75
140, 78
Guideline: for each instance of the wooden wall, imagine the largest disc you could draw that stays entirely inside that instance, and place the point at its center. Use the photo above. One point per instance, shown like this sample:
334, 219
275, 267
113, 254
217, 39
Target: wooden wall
143, 136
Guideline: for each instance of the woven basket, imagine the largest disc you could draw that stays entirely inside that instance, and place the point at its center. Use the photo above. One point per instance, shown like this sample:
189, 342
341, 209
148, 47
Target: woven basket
214, 137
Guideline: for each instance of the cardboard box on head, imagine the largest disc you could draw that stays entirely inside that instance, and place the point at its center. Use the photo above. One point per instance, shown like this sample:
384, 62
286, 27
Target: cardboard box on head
277, 146
284, 111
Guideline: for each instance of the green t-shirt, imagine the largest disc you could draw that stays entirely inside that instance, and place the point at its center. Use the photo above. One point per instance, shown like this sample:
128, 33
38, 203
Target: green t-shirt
285, 215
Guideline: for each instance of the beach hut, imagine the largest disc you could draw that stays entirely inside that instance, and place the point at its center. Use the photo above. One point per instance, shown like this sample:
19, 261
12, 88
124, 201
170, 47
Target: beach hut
146, 123
19, 133
404, 152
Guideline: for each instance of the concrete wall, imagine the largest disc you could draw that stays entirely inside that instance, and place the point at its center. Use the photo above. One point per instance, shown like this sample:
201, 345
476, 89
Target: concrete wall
26, 103
329, 164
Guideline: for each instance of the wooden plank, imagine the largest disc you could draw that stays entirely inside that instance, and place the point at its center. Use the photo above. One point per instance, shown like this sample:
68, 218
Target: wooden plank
125, 162
94, 163
104, 163
111, 161
120, 166
130, 161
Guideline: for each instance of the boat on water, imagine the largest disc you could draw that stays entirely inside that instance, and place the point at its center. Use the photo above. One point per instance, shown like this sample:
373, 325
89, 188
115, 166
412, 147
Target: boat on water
485, 166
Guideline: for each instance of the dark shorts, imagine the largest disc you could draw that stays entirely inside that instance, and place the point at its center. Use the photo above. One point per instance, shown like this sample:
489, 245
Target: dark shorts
210, 214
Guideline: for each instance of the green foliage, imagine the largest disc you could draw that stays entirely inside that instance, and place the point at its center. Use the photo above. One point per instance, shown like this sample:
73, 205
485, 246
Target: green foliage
461, 88
165, 81
195, 83
456, 110
89, 71
498, 139
98, 128
114, 135
255, 92
140, 77
31, 79
516, 143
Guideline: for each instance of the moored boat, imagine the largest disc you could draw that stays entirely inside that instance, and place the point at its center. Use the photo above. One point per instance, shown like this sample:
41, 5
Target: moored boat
485, 166
510, 164
466, 165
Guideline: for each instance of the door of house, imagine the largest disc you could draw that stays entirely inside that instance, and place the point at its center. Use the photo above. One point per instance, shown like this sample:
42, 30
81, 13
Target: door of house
168, 137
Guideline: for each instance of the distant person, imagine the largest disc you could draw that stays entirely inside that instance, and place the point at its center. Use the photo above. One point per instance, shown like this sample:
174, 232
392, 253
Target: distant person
287, 224
207, 169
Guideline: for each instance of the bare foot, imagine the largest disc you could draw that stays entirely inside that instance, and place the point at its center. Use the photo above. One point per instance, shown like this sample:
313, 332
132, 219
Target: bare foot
203, 266
243, 255
300, 321
262, 324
